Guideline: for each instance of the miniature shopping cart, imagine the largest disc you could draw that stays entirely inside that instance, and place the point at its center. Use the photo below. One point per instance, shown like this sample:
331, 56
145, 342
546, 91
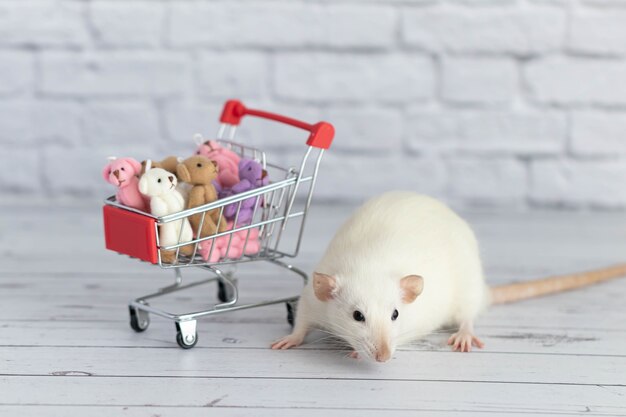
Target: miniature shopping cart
280, 209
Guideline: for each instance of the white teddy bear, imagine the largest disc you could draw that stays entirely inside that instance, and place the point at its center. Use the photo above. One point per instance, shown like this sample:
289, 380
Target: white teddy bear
160, 186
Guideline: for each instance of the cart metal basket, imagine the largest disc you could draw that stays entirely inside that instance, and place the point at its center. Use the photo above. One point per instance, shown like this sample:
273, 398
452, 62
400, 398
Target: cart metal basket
278, 209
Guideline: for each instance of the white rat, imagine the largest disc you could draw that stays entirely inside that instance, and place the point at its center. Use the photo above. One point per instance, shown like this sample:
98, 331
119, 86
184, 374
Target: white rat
160, 186
401, 267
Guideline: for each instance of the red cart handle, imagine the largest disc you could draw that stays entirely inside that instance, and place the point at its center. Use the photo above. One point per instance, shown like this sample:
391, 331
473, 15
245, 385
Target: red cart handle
322, 133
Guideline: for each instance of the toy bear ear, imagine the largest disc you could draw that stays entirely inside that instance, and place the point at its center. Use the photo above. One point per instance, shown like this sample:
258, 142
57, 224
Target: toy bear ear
135, 164
217, 167
183, 173
106, 171
143, 185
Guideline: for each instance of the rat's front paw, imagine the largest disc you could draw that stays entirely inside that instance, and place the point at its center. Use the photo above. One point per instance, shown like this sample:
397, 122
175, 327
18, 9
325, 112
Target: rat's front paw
287, 342
463, 341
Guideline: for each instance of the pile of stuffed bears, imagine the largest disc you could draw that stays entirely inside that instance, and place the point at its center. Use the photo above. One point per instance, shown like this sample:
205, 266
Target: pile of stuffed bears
175, 184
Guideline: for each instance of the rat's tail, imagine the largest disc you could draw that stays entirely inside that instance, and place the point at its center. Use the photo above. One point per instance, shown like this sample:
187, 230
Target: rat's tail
522, 290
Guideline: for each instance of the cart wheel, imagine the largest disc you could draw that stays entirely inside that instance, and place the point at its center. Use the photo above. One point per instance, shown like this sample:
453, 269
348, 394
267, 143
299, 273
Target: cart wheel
224, 291
292, 307
139, 319
186, 336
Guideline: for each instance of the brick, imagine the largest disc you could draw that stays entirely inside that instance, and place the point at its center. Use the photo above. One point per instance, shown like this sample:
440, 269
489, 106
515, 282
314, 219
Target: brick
369, 129
596, 184
598, 32
127, 24
493, 30
491, 131
605, 3
109, 74
598, 133
16, 72
577, 81
183, 120
481, 181
121, 123
26, 123
47, 23
482, 80
222, 74
282, 25
21, 171
85, 165
330, 77
345, 177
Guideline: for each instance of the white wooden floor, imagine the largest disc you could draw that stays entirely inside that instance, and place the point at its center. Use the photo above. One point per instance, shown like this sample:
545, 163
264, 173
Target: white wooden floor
66, 348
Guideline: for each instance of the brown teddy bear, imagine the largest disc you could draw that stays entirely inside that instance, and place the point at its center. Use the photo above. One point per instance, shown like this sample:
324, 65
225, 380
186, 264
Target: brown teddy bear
169, 164
200, 172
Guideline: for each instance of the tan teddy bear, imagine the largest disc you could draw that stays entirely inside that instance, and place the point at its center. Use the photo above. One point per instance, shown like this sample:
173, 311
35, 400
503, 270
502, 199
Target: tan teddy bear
200, 172
169, 164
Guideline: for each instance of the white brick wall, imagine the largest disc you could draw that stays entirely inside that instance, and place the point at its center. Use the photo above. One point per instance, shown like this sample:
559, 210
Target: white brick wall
515, 103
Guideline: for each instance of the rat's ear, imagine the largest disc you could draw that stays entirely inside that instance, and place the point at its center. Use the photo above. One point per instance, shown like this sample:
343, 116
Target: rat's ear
324, 286
412, 286
143, 185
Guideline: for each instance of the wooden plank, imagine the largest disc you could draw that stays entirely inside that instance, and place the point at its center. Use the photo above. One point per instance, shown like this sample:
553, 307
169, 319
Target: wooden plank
99, 299
259, 335
362, 395
216, 362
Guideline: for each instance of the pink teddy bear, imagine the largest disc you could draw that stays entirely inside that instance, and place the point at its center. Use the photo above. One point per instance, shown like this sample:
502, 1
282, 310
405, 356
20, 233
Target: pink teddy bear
122, 172
227, 161
236, 249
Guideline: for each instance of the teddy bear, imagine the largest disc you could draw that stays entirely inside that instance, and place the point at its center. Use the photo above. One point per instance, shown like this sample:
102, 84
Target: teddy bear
169, 164
238, 245
200, 172
227, 161
251, 176
123, 172
160, 186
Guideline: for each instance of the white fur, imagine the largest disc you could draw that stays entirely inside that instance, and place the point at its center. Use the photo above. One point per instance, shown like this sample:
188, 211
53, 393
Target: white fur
388, 238
164, 200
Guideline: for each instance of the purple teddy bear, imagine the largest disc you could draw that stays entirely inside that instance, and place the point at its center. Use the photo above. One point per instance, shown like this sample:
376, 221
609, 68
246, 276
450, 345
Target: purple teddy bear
251, 176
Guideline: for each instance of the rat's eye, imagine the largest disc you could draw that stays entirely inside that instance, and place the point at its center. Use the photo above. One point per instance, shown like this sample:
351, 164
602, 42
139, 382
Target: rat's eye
159, 180
395, 314
122, 169
199, 165
358, 316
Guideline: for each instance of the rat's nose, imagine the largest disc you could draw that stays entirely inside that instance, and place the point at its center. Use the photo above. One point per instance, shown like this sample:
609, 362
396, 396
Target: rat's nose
116, 173
171, 178
382, 357
383, 353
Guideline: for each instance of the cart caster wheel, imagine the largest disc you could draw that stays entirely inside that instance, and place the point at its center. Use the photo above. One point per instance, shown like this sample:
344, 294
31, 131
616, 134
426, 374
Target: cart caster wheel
292, 307
186, 334
139, 319
225, 292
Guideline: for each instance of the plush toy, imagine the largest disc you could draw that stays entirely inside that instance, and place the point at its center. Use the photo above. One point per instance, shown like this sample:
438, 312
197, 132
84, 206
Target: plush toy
122, 172
160, 186
238, 245
200, 172
251, 176
169, 164
227, 161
